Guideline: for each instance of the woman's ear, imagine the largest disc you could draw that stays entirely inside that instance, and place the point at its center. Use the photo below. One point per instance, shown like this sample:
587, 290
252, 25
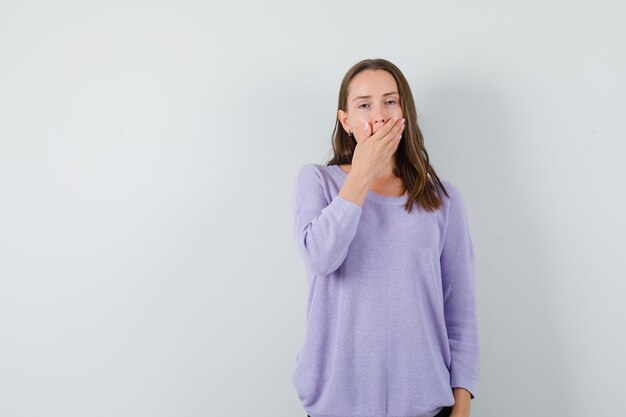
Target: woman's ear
343, 118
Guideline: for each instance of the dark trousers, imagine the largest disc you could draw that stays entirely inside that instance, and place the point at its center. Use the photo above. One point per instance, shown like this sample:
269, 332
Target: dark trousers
445, 412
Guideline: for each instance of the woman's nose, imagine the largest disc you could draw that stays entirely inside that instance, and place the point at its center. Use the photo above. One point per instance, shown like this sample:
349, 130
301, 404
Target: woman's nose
380, 120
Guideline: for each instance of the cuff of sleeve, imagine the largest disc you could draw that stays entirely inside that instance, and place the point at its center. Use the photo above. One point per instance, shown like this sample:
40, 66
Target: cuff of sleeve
466, 383
470, 392
343, 208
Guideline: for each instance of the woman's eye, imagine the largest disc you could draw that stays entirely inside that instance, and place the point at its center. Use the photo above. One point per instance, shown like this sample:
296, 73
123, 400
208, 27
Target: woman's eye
388, 102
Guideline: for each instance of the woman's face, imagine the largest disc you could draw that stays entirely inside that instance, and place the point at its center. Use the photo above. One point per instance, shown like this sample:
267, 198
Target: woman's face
373, 99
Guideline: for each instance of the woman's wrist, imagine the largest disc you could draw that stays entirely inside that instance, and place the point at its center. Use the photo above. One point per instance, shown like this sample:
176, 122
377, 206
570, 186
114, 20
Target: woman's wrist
462, 403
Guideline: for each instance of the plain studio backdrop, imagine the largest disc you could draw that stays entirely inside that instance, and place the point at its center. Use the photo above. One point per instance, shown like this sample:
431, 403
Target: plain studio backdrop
148, 153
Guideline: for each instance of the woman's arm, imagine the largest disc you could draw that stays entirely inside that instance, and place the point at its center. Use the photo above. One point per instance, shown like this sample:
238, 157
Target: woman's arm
323, 231
459, 294
462, 403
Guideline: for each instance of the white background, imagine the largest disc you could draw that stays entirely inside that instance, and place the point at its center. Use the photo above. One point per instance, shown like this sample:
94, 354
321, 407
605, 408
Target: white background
148, 152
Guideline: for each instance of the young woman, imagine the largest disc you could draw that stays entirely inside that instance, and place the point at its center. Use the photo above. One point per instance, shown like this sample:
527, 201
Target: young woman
391, 324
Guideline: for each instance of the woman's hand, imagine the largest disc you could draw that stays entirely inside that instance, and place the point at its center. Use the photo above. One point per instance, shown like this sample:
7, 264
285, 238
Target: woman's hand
462, 400
455, 413
372, 154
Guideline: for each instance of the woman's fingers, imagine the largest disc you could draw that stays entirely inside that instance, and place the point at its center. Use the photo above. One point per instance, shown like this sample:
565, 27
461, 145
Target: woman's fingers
396, 131
385, 129
394, 139
394, 135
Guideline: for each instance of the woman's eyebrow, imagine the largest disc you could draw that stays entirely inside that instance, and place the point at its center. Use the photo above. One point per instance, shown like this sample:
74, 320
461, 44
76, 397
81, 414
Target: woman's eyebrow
386, 94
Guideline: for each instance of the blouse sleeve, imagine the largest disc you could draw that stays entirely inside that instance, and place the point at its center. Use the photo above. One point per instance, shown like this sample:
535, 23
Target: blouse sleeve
322, 230
459, 294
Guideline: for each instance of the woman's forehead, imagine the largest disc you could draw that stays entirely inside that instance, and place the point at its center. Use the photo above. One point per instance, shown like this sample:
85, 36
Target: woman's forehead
372, 84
